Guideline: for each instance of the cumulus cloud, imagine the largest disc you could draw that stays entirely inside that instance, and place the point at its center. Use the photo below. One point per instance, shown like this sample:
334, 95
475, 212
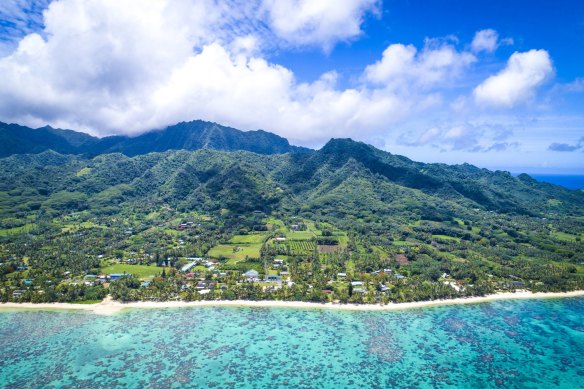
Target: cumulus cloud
517, 82
100, 68
403, 66
322, 23
485, 40
109, 67
488, 41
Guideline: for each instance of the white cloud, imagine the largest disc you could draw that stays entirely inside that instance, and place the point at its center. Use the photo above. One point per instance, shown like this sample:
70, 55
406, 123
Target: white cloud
485, 40
322, 23
102, 69
404, 66
488, 41
109, 67
517, 82
105, 70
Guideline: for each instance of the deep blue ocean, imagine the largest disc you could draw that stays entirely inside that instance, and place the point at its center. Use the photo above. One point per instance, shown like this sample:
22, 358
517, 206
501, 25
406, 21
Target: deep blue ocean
501, 344
568, 181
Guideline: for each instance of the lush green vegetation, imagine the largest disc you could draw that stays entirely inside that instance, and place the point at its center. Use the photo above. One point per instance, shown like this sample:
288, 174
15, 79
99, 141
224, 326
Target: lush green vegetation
348, 222
193, 135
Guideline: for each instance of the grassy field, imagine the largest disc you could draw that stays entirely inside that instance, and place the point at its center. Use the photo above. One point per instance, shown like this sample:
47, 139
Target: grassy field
73, 226
446, 237
403, 243
15, 230
235, 252
564, 236
299, 235
141, 271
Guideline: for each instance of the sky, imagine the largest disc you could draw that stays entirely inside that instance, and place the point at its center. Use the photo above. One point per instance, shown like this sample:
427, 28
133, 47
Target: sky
499, 84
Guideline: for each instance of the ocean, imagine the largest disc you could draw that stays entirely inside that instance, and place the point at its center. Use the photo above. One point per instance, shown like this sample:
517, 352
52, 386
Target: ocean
508, 344
567, 181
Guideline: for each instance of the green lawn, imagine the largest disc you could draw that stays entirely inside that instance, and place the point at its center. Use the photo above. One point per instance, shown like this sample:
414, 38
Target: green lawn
299, 235
141, 271
446, 237
227, 251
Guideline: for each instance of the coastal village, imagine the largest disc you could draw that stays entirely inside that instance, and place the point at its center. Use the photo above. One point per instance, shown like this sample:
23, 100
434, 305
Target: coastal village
267, 258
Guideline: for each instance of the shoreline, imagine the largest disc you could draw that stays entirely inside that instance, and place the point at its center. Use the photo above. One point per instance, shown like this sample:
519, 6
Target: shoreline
110, 307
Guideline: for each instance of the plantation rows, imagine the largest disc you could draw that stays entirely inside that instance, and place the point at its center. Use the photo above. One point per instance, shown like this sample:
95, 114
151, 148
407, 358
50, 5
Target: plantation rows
294, 247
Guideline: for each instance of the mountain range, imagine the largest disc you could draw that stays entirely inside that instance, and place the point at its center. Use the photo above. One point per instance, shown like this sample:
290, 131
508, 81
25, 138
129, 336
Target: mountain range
346, 180
194, 135
341, 178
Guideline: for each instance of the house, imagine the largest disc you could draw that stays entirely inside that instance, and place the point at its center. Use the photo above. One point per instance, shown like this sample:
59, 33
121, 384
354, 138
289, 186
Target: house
251, 275
188, 267
116, 276
341, 275
453, 284
399, 276
273, 278
279, 261
295, 227
205, 285
280, 239
356, 283
18, 293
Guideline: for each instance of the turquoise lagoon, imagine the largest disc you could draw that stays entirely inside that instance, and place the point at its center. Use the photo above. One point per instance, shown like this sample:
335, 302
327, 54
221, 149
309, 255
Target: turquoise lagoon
510, 344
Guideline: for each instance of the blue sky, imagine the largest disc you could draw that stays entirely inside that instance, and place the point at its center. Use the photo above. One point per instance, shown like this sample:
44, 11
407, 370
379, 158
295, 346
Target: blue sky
499, 84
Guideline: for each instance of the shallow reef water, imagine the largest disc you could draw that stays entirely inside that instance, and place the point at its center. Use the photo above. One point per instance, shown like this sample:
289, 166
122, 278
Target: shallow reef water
507, 344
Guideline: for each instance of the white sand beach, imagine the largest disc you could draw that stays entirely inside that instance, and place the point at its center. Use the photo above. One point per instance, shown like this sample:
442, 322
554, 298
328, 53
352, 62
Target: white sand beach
109, 306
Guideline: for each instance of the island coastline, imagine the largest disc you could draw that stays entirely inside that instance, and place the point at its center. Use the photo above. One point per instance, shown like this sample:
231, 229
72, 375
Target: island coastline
109, 306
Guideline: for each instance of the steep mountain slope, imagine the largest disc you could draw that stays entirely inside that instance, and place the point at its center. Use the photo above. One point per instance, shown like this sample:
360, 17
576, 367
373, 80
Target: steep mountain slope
15, 139
197, 135
343, 178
